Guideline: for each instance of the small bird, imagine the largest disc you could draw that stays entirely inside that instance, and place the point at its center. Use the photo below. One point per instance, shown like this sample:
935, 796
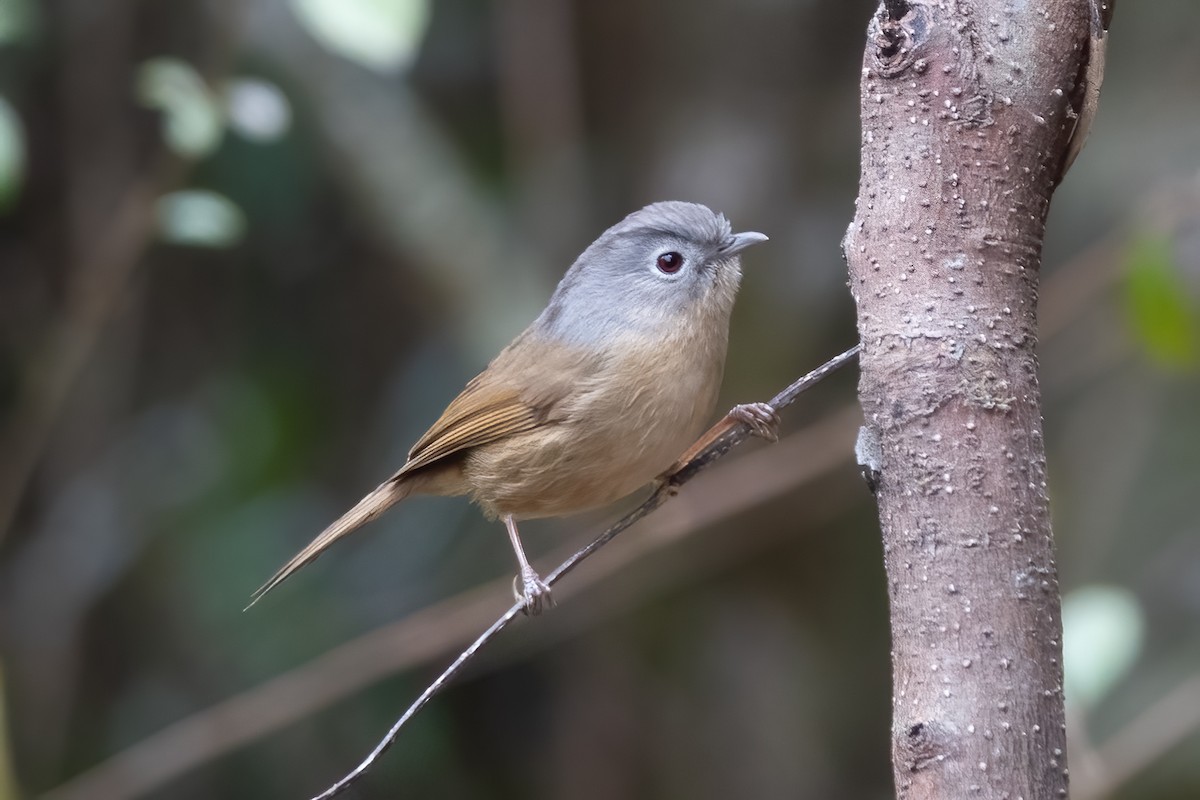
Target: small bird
615, 378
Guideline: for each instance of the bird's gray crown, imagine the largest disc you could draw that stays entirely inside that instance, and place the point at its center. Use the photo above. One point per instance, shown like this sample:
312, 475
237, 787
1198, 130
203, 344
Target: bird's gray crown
690, 221
616, 286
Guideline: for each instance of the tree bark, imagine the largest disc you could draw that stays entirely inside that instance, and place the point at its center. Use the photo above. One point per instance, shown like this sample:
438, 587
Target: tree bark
967, 111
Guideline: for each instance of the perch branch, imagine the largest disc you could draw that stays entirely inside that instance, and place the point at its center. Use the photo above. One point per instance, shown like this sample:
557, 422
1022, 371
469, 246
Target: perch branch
445, 627
721, 438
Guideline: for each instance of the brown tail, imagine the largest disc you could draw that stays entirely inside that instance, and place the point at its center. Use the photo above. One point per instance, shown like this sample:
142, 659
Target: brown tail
384, 497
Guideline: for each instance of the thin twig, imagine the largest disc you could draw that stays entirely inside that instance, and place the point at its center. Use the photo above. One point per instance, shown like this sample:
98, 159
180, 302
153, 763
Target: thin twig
1143, 741
723, 437
440, 630
97, 285
107, 257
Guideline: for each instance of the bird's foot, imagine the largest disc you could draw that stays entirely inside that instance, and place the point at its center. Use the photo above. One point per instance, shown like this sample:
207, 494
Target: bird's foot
533, 592
762, 418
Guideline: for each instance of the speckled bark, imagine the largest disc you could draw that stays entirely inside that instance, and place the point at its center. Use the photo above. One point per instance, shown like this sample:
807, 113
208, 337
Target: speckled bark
967, 110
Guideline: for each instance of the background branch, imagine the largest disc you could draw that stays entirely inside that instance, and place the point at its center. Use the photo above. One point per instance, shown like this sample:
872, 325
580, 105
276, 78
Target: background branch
434, 631
1142, 741
397, 224
733, 487
97, 283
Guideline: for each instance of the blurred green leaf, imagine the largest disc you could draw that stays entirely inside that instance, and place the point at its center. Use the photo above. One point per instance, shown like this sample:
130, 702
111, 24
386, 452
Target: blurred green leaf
16, 20
192, 122
250, 418
257, 109
1102, 636
12, 154
382, 35
1162, 313
200, 219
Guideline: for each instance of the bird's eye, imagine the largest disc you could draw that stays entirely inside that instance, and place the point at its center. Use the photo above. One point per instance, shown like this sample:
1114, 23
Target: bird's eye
670, 263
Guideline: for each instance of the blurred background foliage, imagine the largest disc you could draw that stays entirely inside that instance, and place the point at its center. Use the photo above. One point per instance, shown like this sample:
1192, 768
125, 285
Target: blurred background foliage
248, 250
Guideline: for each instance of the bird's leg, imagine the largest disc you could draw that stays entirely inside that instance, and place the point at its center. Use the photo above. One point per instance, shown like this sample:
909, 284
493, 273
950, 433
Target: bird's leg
534, 590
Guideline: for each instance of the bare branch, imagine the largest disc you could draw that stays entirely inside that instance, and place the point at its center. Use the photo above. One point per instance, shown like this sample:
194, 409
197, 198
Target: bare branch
450, 624
1143, 741
722, 438
97, 284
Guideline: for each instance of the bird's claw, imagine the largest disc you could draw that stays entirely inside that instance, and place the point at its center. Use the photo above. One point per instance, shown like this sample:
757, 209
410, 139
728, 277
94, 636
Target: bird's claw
762, 418
533, 592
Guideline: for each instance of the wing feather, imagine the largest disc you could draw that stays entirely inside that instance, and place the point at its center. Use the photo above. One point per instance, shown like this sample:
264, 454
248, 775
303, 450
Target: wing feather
489, 408
484, 412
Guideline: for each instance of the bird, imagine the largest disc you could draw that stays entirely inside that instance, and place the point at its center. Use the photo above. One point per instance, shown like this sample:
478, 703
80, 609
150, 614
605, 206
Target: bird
600, 394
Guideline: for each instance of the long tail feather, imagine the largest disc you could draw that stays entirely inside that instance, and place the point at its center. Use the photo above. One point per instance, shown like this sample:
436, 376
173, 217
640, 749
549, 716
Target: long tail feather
384, 497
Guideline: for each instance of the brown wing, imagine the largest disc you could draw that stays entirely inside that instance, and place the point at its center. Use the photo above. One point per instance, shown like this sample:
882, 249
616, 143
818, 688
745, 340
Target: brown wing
521, 390
479, 415
489, 408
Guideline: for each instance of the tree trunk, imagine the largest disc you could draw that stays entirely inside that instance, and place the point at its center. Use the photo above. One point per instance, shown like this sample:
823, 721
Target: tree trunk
967, 110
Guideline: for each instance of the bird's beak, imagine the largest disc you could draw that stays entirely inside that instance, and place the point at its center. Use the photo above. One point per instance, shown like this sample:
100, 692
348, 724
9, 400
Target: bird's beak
740, 241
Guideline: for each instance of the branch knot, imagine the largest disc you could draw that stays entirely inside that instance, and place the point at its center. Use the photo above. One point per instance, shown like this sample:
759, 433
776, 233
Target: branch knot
896, 9
897, 28
921, 745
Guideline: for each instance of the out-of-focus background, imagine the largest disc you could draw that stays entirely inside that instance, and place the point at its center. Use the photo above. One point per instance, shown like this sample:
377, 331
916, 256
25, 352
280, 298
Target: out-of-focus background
250, 248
